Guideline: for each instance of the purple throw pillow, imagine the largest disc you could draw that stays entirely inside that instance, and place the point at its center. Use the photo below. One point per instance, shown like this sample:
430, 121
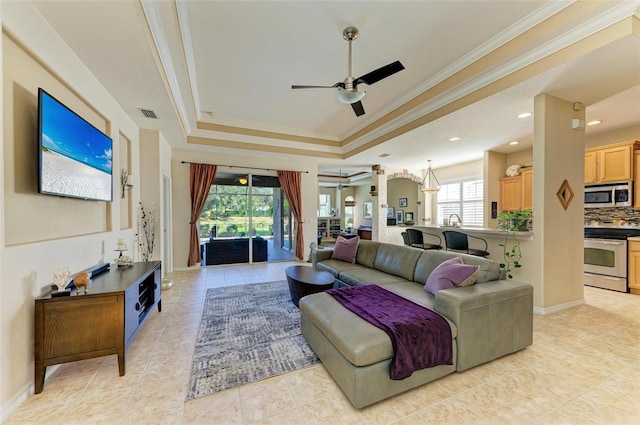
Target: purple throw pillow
450, 274
345, 249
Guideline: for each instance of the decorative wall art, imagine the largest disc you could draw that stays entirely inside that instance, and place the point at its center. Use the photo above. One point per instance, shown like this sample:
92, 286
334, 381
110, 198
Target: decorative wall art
399, 216
408, 216
390, 212
565, 194
403, 202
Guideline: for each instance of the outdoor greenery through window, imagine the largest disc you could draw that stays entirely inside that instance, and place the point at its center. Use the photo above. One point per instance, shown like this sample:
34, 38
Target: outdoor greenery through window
226, 214
324, 205
464, 198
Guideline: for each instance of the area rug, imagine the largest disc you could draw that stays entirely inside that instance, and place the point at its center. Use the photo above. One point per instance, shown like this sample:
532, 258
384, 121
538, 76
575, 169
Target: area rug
247, 333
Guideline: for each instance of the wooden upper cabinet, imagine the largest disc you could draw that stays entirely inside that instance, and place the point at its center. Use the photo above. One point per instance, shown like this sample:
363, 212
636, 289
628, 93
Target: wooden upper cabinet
516, 193
590, 167
612, 163
527, 188
615, 164
510, 193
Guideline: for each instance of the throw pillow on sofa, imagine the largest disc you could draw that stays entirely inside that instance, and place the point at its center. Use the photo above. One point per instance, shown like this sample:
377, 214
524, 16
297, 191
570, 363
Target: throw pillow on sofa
345, 249
450, 274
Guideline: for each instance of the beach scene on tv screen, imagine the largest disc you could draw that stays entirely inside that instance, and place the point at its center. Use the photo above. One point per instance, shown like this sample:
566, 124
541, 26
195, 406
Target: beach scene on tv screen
76, 157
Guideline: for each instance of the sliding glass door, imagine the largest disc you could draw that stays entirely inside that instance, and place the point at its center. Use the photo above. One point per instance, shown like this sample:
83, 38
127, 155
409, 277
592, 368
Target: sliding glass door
246, 219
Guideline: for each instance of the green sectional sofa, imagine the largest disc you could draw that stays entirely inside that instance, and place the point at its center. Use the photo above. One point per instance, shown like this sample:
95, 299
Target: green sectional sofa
488, 320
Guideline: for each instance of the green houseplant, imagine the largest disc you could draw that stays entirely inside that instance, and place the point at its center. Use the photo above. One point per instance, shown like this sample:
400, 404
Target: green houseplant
515, 220
512, 222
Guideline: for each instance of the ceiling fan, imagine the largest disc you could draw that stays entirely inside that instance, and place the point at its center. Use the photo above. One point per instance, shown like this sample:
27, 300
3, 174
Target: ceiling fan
348, 89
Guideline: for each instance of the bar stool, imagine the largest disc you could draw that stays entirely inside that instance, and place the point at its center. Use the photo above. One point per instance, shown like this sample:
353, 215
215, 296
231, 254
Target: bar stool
416, 240
458, 241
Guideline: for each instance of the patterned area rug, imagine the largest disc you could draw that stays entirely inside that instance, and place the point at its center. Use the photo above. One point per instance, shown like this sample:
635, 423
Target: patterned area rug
247, 333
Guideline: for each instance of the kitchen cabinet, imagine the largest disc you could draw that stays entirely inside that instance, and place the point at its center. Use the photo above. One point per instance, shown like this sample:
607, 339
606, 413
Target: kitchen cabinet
634, 266
590, 167
516, 193
636, 178
611, 163
527, 188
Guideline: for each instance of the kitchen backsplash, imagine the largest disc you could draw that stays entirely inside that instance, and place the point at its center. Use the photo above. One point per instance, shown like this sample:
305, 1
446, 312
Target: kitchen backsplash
609, 214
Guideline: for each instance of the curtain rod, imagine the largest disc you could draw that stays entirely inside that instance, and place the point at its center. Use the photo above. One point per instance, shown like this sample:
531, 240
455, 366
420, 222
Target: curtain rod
246, 168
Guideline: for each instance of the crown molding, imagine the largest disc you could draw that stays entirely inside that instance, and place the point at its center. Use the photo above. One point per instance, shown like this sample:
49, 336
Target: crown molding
184, 25
497, 72
152, 15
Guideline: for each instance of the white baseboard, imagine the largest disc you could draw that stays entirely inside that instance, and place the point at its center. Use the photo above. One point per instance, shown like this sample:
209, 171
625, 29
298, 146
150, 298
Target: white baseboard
21, 396
559, 307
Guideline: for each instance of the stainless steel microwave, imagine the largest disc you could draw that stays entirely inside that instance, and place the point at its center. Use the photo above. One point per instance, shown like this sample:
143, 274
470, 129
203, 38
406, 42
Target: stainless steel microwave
609, 195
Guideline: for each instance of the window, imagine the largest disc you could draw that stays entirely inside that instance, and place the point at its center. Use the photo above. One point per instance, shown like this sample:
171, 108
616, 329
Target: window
324, 206
464, 198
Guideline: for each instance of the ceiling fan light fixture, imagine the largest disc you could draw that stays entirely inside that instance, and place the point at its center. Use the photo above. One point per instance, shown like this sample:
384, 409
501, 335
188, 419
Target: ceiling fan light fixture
350, 96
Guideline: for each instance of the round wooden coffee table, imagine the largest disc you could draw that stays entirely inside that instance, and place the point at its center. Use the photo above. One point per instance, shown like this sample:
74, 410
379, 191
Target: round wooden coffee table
305, 280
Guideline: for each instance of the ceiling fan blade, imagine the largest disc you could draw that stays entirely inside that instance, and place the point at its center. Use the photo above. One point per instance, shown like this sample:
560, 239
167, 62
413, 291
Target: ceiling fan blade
294, 87
358, 108
380, 73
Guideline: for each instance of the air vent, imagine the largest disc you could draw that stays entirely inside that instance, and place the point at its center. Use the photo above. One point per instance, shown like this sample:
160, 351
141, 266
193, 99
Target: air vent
149, 114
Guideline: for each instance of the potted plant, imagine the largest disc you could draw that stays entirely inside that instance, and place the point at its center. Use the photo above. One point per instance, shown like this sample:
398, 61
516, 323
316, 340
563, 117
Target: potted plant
515, 220
512, 222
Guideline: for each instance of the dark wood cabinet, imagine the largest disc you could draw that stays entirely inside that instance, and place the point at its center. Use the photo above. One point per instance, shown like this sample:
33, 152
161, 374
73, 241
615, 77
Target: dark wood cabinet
100, 323
364, 234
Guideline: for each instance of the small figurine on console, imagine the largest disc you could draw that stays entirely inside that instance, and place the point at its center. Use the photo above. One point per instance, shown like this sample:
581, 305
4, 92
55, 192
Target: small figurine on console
82, 280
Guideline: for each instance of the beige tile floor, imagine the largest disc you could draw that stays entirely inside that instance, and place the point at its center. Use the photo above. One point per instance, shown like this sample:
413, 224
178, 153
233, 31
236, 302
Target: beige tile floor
583, 368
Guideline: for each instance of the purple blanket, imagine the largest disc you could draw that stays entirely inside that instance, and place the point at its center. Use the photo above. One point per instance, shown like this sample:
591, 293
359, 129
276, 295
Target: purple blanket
420, 337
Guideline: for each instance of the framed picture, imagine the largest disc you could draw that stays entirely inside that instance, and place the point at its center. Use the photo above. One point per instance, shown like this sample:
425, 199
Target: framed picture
399, 216
408, 216
403, 202
367, 211
390, 212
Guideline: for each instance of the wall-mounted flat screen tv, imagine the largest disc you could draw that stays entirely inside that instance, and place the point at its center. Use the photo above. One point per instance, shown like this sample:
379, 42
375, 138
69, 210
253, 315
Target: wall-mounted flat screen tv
74, 157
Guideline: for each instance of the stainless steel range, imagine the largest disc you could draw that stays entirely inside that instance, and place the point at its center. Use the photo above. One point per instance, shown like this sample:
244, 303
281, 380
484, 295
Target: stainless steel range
605, 254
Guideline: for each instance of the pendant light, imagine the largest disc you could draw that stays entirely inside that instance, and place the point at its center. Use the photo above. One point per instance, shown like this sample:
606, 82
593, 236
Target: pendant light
427, 186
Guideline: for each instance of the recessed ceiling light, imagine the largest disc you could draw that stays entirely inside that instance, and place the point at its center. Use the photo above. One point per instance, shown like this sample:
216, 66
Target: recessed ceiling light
524, 115
454, 139
383, 155
594, 122
515, 142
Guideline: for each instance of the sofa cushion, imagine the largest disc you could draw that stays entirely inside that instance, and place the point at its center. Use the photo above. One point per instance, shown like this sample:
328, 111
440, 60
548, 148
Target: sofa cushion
366, 276
367, 251
360, 342
336, 266
451, 273
489, 269
345, 249
397, 260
